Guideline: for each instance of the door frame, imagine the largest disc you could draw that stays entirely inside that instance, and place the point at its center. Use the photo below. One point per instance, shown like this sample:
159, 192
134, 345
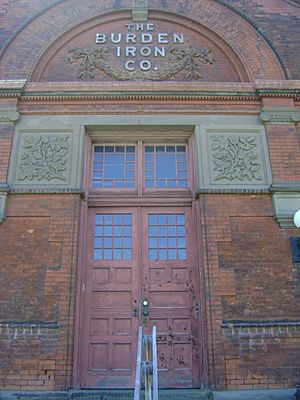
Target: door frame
161, 199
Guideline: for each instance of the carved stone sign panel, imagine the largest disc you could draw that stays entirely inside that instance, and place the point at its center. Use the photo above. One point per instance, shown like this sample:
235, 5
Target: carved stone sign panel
44, 158
233, 158
153, 50
47, 159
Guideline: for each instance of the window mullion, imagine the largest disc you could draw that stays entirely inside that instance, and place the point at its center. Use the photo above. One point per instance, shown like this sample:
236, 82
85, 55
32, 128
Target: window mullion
140, 167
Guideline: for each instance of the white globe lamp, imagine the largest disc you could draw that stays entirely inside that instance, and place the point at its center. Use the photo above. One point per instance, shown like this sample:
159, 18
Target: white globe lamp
297, 219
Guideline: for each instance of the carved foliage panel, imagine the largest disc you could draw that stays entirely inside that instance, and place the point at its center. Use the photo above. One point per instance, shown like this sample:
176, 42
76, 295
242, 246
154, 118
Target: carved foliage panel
46, 159
233, 158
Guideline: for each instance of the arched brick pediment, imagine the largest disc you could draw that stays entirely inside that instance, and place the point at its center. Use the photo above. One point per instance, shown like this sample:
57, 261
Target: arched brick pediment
235, 50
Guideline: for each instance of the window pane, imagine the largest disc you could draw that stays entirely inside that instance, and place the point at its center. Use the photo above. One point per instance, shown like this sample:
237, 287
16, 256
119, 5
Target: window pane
114, 167
165, 167
113, 237
166, 237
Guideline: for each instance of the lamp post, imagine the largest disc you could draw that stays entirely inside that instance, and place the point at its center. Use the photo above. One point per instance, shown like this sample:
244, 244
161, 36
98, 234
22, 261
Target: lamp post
297, 224
297, 219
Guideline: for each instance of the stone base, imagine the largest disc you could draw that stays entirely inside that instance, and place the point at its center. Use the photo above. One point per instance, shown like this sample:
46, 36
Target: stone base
179, 394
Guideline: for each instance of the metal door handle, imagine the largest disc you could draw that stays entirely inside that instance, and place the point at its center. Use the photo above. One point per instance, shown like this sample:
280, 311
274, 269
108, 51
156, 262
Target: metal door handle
145, 308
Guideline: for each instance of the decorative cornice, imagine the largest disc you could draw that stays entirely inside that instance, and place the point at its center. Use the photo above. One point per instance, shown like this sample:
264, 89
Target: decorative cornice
159, 91
203, 192
285, 187
12, 88
9, 115
280, 115
140, 96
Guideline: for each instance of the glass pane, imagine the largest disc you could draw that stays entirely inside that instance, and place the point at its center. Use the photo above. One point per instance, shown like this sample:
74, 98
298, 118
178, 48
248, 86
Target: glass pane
117, 167
117, 242
117, 254
113, 237
166, 237
152, 255
165, 167
98, 254
127, 254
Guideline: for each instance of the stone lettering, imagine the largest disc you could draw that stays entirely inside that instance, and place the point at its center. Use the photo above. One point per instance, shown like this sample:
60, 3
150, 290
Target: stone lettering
130, 38
159, 51
130, 51
114, 39
145, 51
146, 38
129, 62
145, 65
100, 38
162, 38
178, 38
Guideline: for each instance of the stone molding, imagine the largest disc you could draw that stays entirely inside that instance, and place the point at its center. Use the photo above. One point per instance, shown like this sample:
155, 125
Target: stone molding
9, 115
286, 201
279, 115
4, 189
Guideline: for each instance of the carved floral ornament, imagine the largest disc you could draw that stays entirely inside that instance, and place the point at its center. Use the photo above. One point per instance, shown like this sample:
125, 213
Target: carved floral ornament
44, 157
185, 59
235, 158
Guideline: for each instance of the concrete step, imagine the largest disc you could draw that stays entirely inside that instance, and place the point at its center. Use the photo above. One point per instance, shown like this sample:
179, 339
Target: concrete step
168, 394
175, 394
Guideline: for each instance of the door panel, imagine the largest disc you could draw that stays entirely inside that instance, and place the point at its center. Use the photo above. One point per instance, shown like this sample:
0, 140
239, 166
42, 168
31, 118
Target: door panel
167, 283
161, 270
108, 345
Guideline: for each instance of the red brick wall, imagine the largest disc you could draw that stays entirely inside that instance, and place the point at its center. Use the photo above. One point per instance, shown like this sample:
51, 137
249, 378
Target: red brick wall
6, 135
38, 247
279, 20
250, 278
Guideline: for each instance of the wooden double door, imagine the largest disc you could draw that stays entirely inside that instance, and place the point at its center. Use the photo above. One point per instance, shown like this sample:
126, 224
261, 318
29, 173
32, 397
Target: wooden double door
137, 254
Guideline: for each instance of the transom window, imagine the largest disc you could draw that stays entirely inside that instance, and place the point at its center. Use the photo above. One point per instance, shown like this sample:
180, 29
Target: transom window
114, 167
120, 166
165, 167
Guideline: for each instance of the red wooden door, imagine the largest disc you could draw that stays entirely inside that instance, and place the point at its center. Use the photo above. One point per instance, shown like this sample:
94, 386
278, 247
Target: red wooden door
137, 254
108, 338
168, 283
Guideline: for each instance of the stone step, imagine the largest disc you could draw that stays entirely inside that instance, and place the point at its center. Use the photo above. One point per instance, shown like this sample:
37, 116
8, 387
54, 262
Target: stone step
167, 394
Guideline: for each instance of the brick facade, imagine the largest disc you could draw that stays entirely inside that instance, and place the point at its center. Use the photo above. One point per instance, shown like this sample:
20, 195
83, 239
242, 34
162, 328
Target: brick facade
249, 300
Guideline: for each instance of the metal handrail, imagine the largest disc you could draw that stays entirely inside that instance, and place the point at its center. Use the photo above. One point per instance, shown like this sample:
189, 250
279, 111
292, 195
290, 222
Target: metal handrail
147, 366
138, 381
154, 363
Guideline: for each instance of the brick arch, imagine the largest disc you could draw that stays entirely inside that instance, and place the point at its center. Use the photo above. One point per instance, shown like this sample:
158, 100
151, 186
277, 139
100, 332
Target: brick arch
230, 68
251, 48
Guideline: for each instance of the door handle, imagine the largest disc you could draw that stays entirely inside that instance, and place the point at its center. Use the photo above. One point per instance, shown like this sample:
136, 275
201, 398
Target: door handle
145, 308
